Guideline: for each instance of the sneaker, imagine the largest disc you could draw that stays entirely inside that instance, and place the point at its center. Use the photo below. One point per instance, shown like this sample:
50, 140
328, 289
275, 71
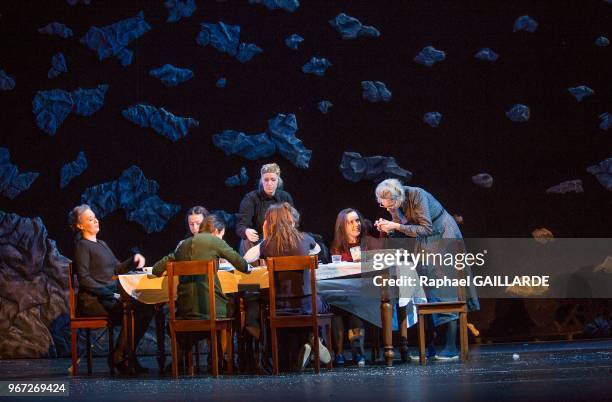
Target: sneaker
447, 356
430, 353
339, 361
360, 360
304, 356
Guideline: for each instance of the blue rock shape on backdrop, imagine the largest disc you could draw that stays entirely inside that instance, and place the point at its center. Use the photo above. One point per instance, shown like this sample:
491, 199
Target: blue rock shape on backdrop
221, 82
58, 65
88, 101
136, 195
7, 82
375, 91
351, 28
429, 56
33, 290
483, 180
324, 106
239, 179
486, 54
13, 183
52, 107
570, 186
525, 23
223, 37
580, 92
178, 9
602, 41
287, 5
603, 173
316, 66
57, 29
229, 219
293, 41
280, 137
246, 51
282, 129
518, 113
226, 39
433, 118
170, 75
73, 169
111, 40
248, 146
606, 121
355, 167
75, 2
162, 121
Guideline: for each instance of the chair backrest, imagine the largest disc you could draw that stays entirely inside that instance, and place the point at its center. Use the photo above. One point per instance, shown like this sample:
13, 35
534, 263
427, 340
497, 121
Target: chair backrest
71, 298
292, 263
190, 268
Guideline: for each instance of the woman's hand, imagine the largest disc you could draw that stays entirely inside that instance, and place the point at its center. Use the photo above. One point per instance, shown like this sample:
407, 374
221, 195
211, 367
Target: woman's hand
386, 226
252, 235
139, 260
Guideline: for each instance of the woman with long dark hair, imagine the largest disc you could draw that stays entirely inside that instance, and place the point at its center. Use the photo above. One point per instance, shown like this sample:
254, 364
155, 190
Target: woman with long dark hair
349, 230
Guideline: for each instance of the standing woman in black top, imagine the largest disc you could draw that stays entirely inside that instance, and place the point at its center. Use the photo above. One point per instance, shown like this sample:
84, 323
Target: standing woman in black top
95, 265
254, 205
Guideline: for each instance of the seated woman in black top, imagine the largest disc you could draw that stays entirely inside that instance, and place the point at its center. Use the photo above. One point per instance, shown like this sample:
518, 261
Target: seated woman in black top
294, 295
254, 205
95, 265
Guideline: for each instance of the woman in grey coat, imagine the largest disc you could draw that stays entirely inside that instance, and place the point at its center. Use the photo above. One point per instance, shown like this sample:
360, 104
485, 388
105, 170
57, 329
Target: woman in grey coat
416, 213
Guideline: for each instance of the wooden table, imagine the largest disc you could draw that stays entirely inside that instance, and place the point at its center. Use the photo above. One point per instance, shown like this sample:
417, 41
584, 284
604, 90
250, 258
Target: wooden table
153, 290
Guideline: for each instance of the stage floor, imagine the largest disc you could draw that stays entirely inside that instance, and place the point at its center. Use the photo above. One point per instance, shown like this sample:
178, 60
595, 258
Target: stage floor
552, 371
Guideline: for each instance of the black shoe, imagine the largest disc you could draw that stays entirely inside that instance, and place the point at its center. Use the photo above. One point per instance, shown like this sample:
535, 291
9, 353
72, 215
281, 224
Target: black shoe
123, 368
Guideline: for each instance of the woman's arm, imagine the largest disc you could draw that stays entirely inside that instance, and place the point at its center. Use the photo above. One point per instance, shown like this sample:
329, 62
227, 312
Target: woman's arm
225, 251
423, 225
245, 216
160, 266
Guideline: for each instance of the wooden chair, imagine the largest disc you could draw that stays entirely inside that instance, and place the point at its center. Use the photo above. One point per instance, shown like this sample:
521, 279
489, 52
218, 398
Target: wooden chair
87, 323
313, 320
459, 306
212, 325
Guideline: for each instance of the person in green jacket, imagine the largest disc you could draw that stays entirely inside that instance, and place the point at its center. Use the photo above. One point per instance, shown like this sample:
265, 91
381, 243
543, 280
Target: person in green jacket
192, 294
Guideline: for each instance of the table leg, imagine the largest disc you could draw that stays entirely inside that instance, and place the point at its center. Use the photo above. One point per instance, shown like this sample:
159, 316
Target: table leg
386, 315
160, 333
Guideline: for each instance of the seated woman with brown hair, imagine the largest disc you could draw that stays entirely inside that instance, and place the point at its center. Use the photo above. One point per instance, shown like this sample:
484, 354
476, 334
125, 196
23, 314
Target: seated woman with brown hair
294, 295
349, 229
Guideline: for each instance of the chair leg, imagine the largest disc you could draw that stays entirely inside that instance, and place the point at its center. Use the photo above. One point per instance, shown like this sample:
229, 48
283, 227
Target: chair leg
89, 354
74, 350
315, 341
403, 330
275, 368
111, 336
422, 358
214, 348
175, 355
463, 336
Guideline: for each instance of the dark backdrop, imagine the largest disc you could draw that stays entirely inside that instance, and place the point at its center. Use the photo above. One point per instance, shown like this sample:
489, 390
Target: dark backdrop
561, 139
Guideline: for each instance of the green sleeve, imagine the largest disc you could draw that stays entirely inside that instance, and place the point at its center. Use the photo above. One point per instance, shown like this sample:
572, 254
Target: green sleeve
225, 251
160, 266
